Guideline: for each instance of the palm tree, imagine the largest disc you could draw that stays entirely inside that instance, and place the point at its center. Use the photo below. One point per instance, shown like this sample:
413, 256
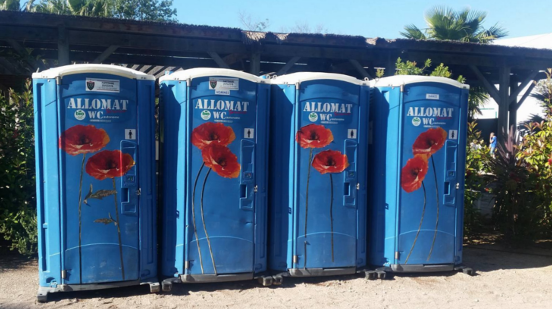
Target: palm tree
466, 25
478, 96
10, 5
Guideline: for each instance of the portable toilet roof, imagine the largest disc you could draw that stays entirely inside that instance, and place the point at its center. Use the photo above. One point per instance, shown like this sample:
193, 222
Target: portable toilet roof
93, 68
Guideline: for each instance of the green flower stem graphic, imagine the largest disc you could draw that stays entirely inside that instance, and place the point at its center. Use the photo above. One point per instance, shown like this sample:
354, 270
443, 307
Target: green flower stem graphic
420, 227
204, 226
437, 220
307, 207
118, 230
194, 218
80, 221
331, 215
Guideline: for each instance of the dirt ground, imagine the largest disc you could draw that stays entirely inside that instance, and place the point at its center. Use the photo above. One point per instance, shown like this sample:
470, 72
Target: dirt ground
505, 279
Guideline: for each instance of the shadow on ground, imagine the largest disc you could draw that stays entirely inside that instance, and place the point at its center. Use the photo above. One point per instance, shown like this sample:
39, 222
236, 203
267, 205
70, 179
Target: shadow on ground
482, 257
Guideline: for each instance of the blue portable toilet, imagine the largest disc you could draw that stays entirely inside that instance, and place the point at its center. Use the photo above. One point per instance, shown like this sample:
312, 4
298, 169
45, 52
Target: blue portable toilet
95, 175
416, 183
214, 151
317, 195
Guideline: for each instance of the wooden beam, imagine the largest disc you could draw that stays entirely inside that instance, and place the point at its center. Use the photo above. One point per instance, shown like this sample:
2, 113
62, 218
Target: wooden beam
32, 63
106, 53
490, 88
288, 66
360, 68
218, 60
526, 94
515, 93
233, 58
162, 72
156, 70
63, 46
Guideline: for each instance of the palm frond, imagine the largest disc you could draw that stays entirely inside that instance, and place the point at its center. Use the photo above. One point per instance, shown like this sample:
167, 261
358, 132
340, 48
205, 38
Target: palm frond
413, 32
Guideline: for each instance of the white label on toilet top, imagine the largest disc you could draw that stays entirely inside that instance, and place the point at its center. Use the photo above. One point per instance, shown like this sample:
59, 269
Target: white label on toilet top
432, 96
224, 83
103, 85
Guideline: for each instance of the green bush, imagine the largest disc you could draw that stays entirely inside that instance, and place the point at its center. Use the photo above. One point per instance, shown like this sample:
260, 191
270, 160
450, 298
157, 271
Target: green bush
525, 202
18, 223
477, 168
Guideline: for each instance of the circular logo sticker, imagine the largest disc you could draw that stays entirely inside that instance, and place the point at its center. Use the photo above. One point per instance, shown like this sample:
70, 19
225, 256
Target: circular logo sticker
205, 115
313, 117
80, 114
416, 121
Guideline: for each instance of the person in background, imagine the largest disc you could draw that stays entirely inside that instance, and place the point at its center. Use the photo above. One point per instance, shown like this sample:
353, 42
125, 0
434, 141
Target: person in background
492, 141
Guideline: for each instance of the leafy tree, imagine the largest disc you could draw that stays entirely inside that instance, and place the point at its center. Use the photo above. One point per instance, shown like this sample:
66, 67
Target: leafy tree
94, 8
251, 24
444, 23
17, 185
11, 5
154, 10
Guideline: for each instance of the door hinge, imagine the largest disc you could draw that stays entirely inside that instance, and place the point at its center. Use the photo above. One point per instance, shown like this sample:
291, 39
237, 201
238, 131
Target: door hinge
402, 88
397, 255
64, 274
58, 80
186, 264
457, 185
358, 186
139, 191
295, 259
255, 189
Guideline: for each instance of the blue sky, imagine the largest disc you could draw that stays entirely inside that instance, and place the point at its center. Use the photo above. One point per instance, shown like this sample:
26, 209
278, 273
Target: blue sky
382, 18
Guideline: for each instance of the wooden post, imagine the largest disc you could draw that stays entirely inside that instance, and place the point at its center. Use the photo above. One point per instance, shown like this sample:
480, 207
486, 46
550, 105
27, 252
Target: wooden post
390, 66
504, 98
63, 46
512, 104
255, 64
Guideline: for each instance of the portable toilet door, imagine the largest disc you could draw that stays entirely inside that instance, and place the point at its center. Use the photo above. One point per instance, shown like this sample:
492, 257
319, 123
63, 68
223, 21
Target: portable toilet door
215, 134
417, 164
317, 197
94, 132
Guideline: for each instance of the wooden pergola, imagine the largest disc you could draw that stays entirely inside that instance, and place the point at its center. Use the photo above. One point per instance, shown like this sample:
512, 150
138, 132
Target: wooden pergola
32, 41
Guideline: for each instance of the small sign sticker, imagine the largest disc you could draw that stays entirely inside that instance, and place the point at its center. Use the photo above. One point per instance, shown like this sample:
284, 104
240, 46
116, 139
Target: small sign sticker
432, 96
223, 83
130, 133
222, 92
453, 134
351, 133
103, 85
249, 133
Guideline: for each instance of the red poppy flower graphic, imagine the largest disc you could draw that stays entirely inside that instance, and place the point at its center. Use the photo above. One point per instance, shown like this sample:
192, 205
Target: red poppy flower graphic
212, 133
429, 142
221, 160
109, 164
314, 136
413, 173
330, 161
83, 139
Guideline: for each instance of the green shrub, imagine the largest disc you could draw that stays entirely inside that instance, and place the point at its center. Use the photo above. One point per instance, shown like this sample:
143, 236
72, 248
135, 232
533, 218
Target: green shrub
525, 204
477, 168
18, 222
